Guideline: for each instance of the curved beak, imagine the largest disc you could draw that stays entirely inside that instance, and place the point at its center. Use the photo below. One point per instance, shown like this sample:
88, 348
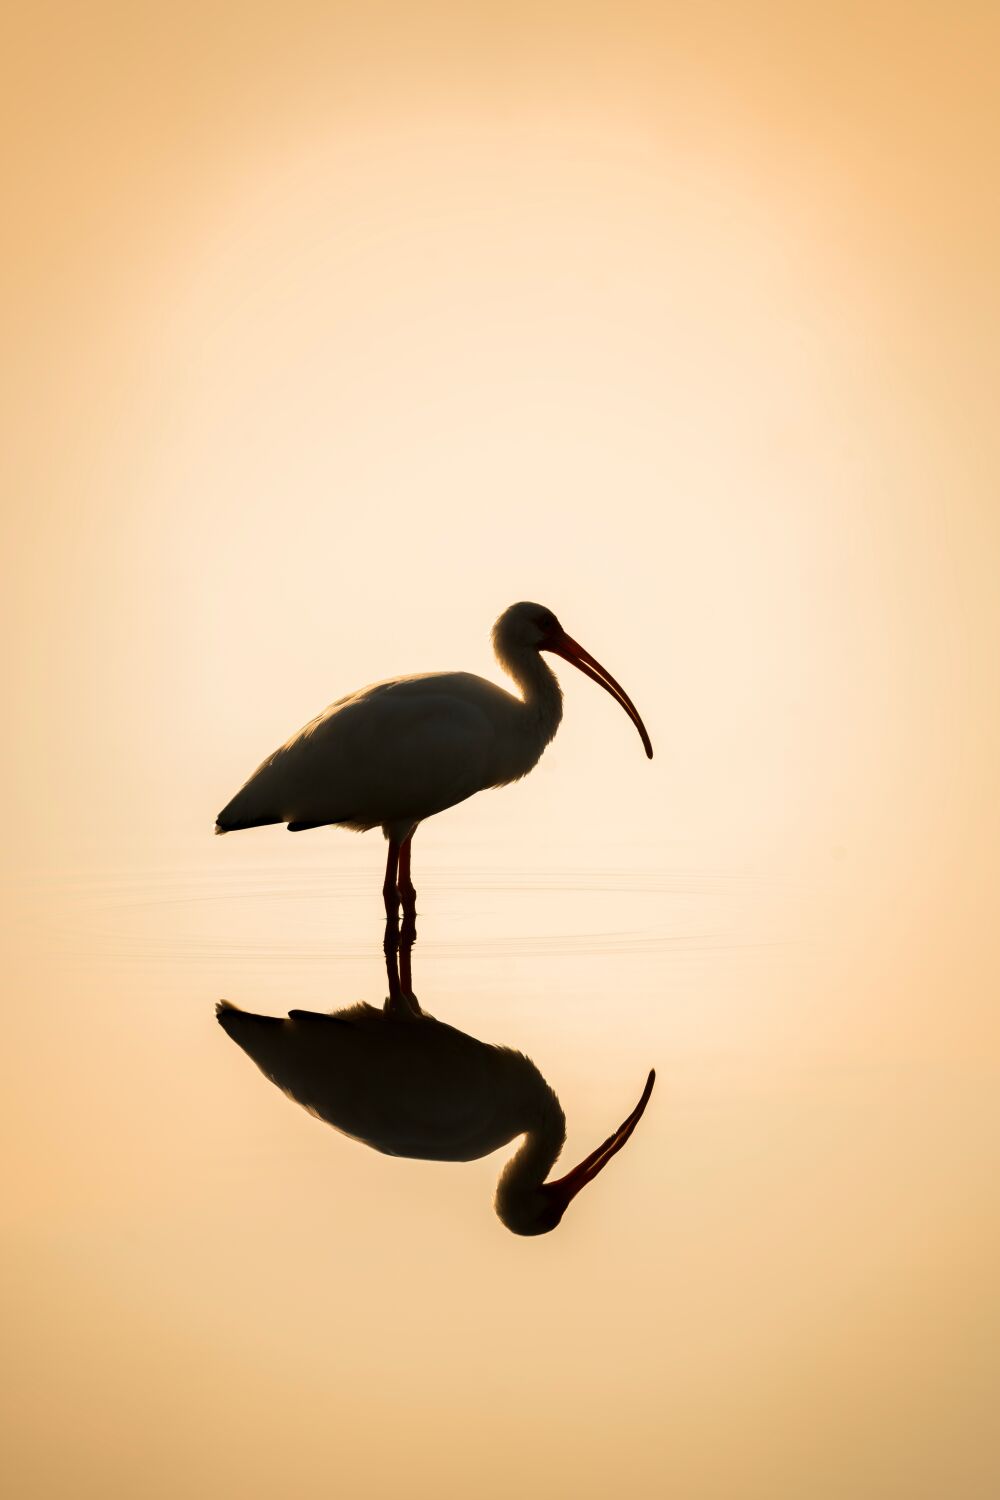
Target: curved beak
566, 1188
564, 645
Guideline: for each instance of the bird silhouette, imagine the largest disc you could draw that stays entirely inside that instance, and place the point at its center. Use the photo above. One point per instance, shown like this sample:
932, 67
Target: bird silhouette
400, 751
408, 1085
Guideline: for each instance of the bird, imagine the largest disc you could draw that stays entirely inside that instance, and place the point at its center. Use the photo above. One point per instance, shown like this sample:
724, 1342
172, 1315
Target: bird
405, 1084
399, 751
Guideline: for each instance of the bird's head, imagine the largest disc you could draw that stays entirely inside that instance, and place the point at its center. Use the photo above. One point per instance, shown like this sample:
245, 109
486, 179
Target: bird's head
536, 1209
532, 627
526, 625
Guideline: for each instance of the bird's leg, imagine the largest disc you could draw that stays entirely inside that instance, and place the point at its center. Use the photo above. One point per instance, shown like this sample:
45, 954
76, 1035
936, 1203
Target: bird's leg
392, 976
407, 939
408, 930
401, 1001
394, 1000
404, 885
389, 893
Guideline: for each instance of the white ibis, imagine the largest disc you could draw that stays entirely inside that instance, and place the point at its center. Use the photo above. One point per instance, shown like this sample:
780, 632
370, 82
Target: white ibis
400, 751
405, 1084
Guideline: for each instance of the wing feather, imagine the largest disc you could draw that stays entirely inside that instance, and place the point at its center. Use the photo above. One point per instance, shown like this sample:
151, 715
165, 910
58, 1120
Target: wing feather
399, 750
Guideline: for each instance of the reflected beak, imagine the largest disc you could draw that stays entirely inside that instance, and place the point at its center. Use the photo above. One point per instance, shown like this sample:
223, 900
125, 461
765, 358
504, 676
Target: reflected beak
564, 645
566, 1188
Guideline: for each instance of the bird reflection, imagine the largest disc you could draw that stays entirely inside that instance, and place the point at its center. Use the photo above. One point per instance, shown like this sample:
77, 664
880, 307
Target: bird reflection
408, 1085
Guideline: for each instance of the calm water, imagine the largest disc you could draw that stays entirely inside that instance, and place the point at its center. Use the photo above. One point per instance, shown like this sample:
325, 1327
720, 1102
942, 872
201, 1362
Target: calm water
219, 1294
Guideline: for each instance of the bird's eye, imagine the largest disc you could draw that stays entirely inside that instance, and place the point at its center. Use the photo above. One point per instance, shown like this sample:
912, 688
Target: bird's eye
546, 620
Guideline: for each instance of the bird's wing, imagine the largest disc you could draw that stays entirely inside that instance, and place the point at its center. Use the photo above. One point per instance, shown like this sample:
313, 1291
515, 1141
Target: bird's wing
321, 1018
398, 750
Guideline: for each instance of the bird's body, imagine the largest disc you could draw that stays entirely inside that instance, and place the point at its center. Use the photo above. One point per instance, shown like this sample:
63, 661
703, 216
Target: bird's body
407, 1085
403, 1085
400, 751
395, 753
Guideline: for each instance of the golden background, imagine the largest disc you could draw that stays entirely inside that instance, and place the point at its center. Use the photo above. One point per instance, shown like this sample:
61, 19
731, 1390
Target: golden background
329, 331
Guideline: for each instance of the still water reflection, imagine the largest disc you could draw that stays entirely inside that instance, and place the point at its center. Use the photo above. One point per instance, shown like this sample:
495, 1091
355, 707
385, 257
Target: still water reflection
406, 1084
203, 1294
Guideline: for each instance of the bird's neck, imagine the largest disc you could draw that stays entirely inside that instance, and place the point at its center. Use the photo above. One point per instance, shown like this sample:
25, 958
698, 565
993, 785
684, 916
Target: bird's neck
540, 690
535, 1158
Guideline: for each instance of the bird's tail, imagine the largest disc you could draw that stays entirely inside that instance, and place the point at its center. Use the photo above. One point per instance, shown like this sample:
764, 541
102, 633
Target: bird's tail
226, 1015
219, 829
241, 1023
